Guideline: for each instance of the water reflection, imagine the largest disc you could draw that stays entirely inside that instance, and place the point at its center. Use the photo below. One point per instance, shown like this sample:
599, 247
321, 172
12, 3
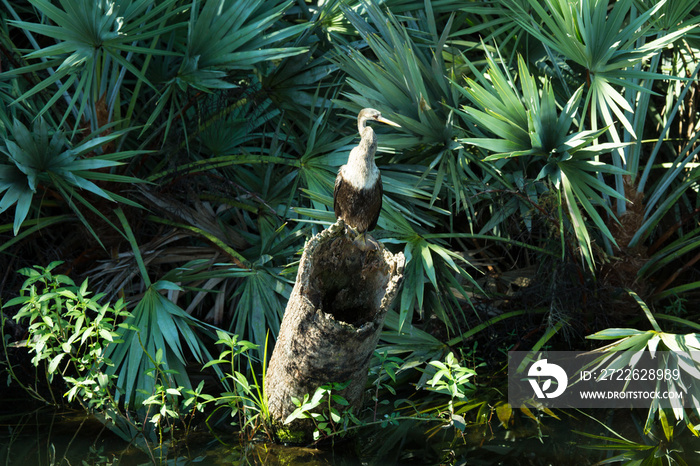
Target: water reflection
46, 436
50, 436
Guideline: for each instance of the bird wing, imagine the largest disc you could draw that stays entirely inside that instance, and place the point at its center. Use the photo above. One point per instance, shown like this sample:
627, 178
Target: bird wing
336, 205
375, 215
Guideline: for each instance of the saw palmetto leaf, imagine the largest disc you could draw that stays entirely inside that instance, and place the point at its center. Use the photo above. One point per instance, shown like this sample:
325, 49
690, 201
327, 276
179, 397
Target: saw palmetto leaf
672, 15
528, 124
239, 34
155, 337
680, 357
606, 43
31, 159
222, 38
94, 39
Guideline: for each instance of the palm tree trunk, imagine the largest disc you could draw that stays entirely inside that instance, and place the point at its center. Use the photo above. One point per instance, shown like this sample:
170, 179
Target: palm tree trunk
331, 325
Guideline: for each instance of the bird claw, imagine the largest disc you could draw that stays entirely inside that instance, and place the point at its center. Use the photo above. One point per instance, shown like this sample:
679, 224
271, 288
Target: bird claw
363, 241
366, 243
352, 232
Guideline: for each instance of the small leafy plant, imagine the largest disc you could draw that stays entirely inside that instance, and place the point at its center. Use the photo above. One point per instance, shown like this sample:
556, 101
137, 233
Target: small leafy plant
322, 409
246, 400
452, 379
174, 406
388, 365
67, 334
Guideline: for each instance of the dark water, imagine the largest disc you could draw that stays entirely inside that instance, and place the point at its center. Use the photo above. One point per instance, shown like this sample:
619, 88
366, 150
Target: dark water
59, 437
46, 437
51, 437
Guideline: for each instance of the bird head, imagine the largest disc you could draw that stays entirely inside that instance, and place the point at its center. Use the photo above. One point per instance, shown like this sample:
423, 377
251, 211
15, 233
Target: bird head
368, 114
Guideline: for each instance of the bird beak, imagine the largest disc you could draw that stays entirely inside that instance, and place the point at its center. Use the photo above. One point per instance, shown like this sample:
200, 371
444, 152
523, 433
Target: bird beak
381, 119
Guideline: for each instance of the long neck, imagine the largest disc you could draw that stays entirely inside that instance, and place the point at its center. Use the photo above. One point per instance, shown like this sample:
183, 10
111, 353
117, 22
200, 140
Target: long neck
361, 171
362, 156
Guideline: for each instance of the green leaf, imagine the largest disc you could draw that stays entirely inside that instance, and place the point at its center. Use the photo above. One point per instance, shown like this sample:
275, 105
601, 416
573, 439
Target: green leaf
55, 361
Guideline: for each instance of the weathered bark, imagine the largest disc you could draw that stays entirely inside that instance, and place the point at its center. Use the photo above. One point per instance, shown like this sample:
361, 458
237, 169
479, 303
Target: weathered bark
332, 323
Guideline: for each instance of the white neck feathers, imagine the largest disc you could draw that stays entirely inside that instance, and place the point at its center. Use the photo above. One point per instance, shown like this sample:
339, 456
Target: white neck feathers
361, 171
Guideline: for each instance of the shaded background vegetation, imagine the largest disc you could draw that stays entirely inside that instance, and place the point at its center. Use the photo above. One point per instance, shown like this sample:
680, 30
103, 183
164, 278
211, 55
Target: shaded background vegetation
178, 154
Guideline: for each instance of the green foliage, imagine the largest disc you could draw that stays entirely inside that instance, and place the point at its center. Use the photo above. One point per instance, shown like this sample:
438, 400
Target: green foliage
327, 410
259, 136
332, 416
220, 38
657, 448
94, 43
156, 325
173, 406
36, 158
152, 339
247, 401
528, 125
682, 357
242, 34
71, 334
607, 44
68, 333
534, 133
386, 366
451, 378
97, 43
605, 48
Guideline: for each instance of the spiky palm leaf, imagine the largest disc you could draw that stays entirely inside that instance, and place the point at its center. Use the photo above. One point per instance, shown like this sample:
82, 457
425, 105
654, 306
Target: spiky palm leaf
608, 42
527, 124
95, 43
36, 158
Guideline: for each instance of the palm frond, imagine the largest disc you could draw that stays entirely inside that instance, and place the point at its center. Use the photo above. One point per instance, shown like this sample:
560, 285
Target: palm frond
34, 159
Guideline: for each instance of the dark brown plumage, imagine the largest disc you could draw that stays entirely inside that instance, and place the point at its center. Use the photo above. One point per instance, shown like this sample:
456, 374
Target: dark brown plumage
357, 197
359, 208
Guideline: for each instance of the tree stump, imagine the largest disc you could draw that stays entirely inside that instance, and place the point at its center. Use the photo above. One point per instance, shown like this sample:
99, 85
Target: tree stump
331, 325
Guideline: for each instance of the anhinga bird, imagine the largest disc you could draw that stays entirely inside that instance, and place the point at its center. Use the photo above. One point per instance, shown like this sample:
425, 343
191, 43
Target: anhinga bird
357, 197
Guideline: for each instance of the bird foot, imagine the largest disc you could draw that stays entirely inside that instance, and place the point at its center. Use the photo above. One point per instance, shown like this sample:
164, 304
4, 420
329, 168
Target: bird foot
351, 231
366, 243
